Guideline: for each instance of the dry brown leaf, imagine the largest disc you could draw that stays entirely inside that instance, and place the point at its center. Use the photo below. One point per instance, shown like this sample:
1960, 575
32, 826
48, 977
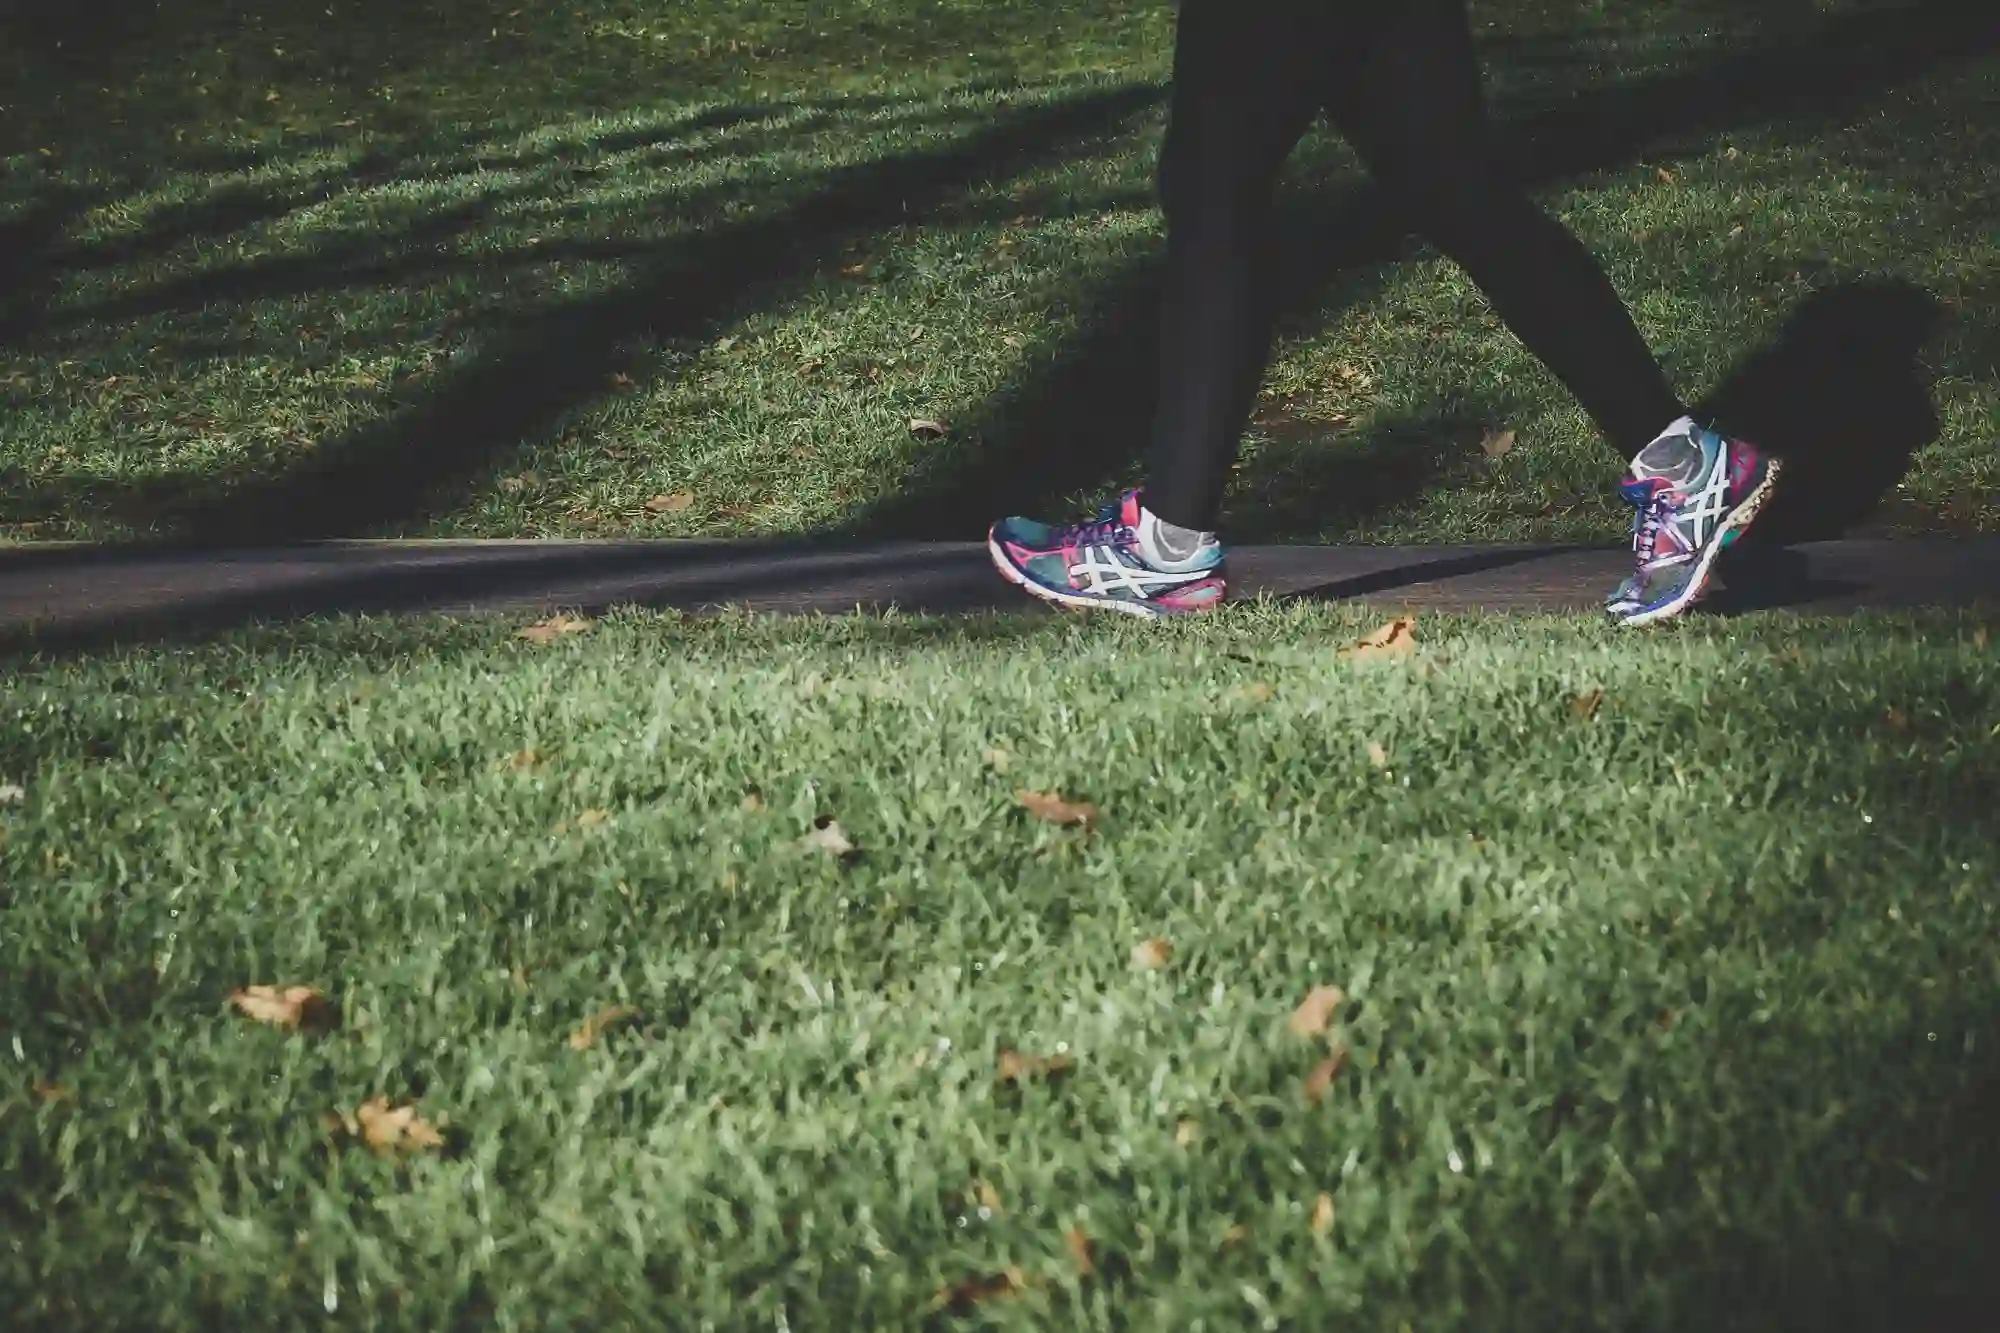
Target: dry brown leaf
1398, 638
959, 1297
1081, 1252
1257, 692
1586, 706
12, 793
1666, 177
1324, 1073
387, 1128
753, 800
555, 627
1053, 809
1733, 153
998, 760
293, 1008
1495, 443
1014, 1067
1322, 1215
515, 485
522, 760
1980, 638
926, 429
48, 1092
1735, 231
1152, 955
1013, 340
989, 1197
1316, 1011
828, 836
599, 1023
854, 271
677, 502
1377, 755
1186, 1134
1234, 1234
593, 818
1897, 719
622, 383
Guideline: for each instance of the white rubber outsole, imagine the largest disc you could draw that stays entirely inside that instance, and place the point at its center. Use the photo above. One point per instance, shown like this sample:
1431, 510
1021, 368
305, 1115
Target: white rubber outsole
1697, 587
1069, 601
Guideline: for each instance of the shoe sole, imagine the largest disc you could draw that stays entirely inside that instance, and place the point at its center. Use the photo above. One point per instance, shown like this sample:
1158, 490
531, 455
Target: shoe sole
1735, 525
1072, 601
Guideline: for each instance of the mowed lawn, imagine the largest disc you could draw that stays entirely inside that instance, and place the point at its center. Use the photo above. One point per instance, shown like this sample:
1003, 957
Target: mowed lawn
1669, 971
620, 267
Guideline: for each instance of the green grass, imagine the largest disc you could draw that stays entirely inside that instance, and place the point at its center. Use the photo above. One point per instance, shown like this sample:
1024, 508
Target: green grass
491, 270
1679, 1014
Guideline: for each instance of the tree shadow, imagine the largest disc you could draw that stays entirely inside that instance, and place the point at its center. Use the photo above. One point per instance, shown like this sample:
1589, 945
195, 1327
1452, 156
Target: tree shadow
557, 360
1067, 431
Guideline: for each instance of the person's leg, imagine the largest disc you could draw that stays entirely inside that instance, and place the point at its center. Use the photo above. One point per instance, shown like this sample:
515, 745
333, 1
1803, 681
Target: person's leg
1412, 109
1249, 79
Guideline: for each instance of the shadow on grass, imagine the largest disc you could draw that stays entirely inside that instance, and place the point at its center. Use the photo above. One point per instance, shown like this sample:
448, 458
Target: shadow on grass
1071, 430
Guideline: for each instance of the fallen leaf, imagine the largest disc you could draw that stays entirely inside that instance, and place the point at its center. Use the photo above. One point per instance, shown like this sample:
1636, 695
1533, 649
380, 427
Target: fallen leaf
1322, 1215
1666, 177
989, 1197
12, 793
917, 334
1377, 756
724, 344
670, 504
926, 429
1014, 1067
1080, 1251
388, 1128
1897, 719
293, 1008
1316, 1011
959, 1297
522, 760
593, 818
827, 836
1257, 692
1053, 809
1495, 443
599, 1023
1735, 231
1013, 340
1733, 153
622, 383
516, 484
47, 1092
1324, 1073
1186, 1134
998, 760
854, 271
753, 800
555, 627
1585, 706
1234, 1234
1398, 638
1152, 955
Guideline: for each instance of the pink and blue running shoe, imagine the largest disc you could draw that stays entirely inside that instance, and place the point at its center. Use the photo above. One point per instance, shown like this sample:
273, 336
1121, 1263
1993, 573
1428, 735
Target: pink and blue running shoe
1695, 494
1119, 561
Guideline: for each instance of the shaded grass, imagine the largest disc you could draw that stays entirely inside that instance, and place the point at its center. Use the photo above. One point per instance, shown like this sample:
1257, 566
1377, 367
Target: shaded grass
244, 263
1675, 1013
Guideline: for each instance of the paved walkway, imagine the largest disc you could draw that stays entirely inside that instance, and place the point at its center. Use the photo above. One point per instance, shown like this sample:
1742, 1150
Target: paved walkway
67, 593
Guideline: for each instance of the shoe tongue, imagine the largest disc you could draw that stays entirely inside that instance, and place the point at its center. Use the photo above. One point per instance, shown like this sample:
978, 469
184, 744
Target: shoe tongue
1130, 510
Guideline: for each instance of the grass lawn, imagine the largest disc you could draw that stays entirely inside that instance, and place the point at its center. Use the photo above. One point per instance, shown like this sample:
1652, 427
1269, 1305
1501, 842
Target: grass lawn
1669, 963
624, 267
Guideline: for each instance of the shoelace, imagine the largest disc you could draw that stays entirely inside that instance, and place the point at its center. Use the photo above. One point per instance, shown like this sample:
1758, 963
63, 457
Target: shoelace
1653, 516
